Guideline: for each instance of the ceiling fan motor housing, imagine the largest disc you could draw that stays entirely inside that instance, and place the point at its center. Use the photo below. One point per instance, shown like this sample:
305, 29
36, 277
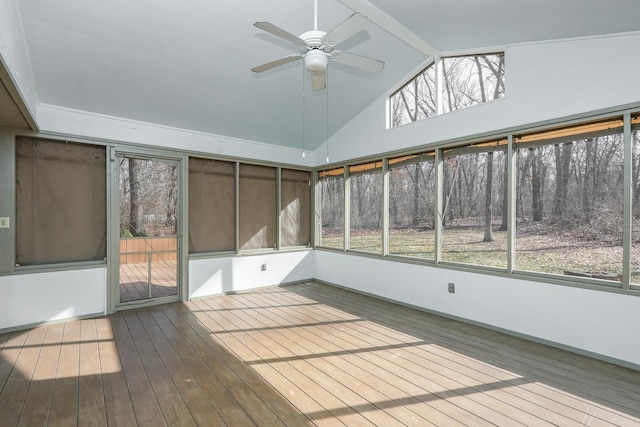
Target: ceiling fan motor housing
315, 60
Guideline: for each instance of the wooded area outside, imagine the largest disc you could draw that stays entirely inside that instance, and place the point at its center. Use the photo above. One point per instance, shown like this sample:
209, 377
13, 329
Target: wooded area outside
466, 81
569, 203
148, 198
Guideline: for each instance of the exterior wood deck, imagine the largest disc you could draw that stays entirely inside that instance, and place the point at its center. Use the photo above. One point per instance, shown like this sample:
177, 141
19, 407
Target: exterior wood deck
299, 355
134, 280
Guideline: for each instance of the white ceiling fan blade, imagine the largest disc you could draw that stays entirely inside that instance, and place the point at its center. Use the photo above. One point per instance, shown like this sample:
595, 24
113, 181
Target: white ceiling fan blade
348, 28
277, 31
358, 61
318, 80
277, 62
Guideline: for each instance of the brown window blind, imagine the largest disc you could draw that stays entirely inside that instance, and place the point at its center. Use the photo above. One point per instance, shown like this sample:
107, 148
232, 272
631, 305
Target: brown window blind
295, 205
257, 207
60, 202
211, 205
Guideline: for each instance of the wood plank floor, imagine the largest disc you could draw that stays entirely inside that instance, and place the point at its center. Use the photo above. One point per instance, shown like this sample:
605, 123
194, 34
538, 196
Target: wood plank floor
134, 280
299, 355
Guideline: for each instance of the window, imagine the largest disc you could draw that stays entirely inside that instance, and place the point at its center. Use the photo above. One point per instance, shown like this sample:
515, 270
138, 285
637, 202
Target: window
211, 205
474, 211
295, 208
366, 207
471, 80
416, 100
412, 205
332, 208
60, 202
568, 210
257, 207
635, 200
570, 201
466, 81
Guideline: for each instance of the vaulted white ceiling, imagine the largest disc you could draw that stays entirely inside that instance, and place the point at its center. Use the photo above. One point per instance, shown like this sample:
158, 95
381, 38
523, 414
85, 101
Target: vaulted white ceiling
186, 63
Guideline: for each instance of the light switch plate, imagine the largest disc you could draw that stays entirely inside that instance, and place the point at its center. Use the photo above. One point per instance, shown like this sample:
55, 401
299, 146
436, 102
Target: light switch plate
4, 222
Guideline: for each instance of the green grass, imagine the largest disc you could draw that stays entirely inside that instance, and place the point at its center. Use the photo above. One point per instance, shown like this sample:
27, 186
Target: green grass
548, 253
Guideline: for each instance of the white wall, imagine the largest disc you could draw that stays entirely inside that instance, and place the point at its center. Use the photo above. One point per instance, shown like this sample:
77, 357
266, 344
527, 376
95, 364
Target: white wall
13, 52
544, 81
593, 321
66, 121
44, 297
35, 298
213, 276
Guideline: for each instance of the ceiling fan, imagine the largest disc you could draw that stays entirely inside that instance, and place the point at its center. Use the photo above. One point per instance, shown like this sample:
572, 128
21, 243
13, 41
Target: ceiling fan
320, 48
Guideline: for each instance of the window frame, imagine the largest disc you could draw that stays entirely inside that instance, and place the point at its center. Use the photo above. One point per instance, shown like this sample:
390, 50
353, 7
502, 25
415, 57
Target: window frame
436, 64
627, 117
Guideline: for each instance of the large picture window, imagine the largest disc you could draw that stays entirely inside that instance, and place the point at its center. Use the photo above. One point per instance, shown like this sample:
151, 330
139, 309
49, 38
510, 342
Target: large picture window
570, 201
412, 205
366, 207
257, 207
211, 205
295, 207
60, 202
332, 208
635, 200
474, 208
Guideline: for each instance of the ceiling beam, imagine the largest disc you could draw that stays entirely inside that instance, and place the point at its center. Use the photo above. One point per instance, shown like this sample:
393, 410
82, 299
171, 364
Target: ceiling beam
392, 26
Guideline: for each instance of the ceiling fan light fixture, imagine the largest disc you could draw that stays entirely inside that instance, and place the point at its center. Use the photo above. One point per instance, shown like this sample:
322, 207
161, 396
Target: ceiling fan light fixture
316, 61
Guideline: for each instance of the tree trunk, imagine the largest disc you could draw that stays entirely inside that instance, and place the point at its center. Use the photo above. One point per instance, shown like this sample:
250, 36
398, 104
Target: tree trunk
415, 220
563, 167
587, 184
136, 206
536, 184
505, 196
488, 213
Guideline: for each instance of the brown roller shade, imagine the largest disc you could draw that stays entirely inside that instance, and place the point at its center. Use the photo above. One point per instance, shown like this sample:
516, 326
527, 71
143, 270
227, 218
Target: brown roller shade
211, 205
60, 202
331, 172
257, 207
567, 133
295, 208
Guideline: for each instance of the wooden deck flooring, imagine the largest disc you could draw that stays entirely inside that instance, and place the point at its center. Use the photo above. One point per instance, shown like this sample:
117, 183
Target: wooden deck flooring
299, 355
134, 280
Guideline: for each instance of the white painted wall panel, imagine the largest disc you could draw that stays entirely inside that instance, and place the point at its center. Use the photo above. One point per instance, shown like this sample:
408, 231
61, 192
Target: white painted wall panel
99, 126
44, 297
589, 320
213, 276
544, 81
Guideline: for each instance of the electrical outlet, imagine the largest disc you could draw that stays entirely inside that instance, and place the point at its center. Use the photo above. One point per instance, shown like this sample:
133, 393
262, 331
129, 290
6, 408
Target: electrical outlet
263, 267
4, 222
452, 288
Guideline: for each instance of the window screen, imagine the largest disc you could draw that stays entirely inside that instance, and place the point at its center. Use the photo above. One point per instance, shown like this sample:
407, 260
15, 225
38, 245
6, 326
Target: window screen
211, 205
366, 207
332, 208
60, 202
257, 207
295, 222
